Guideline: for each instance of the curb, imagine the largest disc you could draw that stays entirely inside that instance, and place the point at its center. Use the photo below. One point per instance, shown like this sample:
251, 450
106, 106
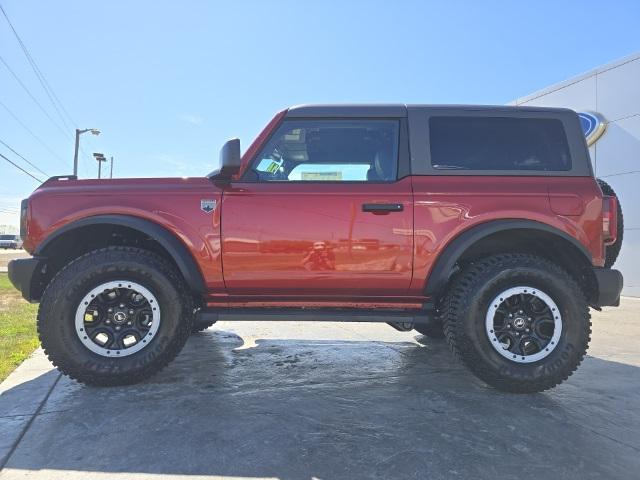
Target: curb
22, 395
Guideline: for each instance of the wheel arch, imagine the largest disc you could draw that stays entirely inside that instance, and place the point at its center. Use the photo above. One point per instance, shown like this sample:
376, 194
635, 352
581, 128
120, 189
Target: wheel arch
174, 248
512, 235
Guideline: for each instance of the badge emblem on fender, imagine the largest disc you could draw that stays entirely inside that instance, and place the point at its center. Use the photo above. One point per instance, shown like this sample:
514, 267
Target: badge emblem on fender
208, 206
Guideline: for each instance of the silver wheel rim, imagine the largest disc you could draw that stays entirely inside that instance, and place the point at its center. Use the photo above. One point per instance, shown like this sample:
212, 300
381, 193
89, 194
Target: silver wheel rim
523, 324
120, 328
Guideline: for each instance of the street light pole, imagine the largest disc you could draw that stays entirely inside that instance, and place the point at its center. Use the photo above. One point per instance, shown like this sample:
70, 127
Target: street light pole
111, 169
94, 131
100, 158
75, 154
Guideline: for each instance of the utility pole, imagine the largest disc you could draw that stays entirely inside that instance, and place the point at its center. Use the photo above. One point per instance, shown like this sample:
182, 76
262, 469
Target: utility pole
100, 158
111, 169
94, 131
75, 153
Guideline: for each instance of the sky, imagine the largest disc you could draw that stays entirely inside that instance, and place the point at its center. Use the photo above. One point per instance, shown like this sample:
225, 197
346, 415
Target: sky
168, 83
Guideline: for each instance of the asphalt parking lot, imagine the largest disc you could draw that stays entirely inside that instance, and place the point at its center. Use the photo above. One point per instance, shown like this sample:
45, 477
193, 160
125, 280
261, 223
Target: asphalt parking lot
328, 401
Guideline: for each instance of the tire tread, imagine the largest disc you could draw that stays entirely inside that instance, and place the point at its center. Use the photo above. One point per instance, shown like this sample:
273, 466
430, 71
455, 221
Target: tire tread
468, 282
139, 257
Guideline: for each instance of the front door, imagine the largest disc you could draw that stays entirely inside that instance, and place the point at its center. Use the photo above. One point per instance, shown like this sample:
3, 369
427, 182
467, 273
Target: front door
321, 211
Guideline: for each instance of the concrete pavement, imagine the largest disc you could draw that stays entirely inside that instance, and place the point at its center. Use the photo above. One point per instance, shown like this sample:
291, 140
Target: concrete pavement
328, 401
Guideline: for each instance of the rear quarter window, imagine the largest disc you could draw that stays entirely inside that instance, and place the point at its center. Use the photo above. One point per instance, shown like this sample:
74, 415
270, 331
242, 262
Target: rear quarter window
498, 144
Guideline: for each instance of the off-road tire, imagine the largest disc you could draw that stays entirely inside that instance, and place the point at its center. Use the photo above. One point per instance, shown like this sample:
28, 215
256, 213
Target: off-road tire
613, 250
466, 304
62, 296
432, 329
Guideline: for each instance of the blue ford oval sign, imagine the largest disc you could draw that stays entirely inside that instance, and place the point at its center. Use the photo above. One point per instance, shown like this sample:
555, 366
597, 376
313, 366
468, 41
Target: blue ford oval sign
593, 126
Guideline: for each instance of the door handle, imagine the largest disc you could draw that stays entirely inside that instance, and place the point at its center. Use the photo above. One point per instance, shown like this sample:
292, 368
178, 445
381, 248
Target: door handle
380, 208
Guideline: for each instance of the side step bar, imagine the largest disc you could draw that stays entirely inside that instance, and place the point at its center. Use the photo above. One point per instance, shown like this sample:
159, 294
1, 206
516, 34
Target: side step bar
315, 315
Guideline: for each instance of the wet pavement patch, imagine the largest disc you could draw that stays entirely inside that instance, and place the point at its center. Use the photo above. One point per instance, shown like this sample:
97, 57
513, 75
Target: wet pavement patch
301, 401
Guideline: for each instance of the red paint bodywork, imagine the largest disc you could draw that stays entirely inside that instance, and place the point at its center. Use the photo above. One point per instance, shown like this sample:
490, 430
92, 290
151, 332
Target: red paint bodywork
447, 206
291, 244
173, 203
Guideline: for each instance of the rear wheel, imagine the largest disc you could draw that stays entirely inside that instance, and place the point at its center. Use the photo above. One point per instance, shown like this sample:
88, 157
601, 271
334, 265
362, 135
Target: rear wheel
114, 316
517, 321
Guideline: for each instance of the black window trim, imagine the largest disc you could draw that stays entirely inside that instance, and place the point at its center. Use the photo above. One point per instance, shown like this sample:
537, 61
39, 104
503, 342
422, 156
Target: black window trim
403, 166
421, 149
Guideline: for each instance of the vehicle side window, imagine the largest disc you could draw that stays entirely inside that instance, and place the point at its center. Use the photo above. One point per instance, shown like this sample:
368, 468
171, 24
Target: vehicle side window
498, 143
330, 150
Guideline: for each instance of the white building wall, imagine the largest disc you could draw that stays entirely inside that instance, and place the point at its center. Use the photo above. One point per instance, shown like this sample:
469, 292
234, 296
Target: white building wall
613, 91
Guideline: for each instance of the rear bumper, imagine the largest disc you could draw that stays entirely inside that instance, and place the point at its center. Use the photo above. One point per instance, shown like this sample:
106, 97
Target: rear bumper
609, 287
21, 272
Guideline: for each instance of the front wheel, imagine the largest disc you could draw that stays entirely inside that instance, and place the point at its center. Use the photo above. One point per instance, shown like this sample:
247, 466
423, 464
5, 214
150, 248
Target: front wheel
114, 316
517, 321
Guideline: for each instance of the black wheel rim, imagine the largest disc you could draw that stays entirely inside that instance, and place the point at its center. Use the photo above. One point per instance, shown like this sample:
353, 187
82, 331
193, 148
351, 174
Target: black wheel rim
117, 318
523, 324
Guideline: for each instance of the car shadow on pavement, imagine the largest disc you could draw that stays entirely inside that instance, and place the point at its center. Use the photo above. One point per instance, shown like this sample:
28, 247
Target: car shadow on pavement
303, 409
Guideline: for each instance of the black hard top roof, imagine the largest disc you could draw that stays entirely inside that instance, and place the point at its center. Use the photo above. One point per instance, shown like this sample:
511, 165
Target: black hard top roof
398, 109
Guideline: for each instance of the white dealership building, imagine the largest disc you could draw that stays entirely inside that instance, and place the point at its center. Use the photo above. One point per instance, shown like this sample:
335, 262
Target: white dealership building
609, 95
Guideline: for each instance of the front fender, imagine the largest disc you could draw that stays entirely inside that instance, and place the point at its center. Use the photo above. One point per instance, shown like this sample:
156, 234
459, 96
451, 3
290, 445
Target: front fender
176, 248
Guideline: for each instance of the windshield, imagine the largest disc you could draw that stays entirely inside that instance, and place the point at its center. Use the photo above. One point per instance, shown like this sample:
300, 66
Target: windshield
7, 237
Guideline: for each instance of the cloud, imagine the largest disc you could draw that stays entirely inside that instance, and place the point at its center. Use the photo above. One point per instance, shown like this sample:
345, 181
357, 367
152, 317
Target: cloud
192, 119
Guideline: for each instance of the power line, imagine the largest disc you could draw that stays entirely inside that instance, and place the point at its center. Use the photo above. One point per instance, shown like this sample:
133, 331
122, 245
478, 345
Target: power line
34, 98
41, 78
31, 132
73, 122
35, 68
34, 166
20, 168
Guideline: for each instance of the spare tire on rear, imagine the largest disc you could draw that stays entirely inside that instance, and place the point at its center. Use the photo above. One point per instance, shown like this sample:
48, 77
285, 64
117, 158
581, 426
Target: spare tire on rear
613, 250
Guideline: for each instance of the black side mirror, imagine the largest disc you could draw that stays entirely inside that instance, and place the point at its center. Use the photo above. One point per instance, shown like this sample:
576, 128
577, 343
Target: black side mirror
229, 161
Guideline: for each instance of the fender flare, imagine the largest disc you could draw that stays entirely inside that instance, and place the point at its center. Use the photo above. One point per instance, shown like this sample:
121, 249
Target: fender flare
178, 251
446, 262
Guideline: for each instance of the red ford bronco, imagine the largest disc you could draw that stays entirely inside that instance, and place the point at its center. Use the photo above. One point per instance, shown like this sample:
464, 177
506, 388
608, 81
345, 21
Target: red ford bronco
484, 225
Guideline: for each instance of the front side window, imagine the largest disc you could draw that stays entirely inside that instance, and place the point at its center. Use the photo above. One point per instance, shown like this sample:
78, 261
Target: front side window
330, 151
498, 143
